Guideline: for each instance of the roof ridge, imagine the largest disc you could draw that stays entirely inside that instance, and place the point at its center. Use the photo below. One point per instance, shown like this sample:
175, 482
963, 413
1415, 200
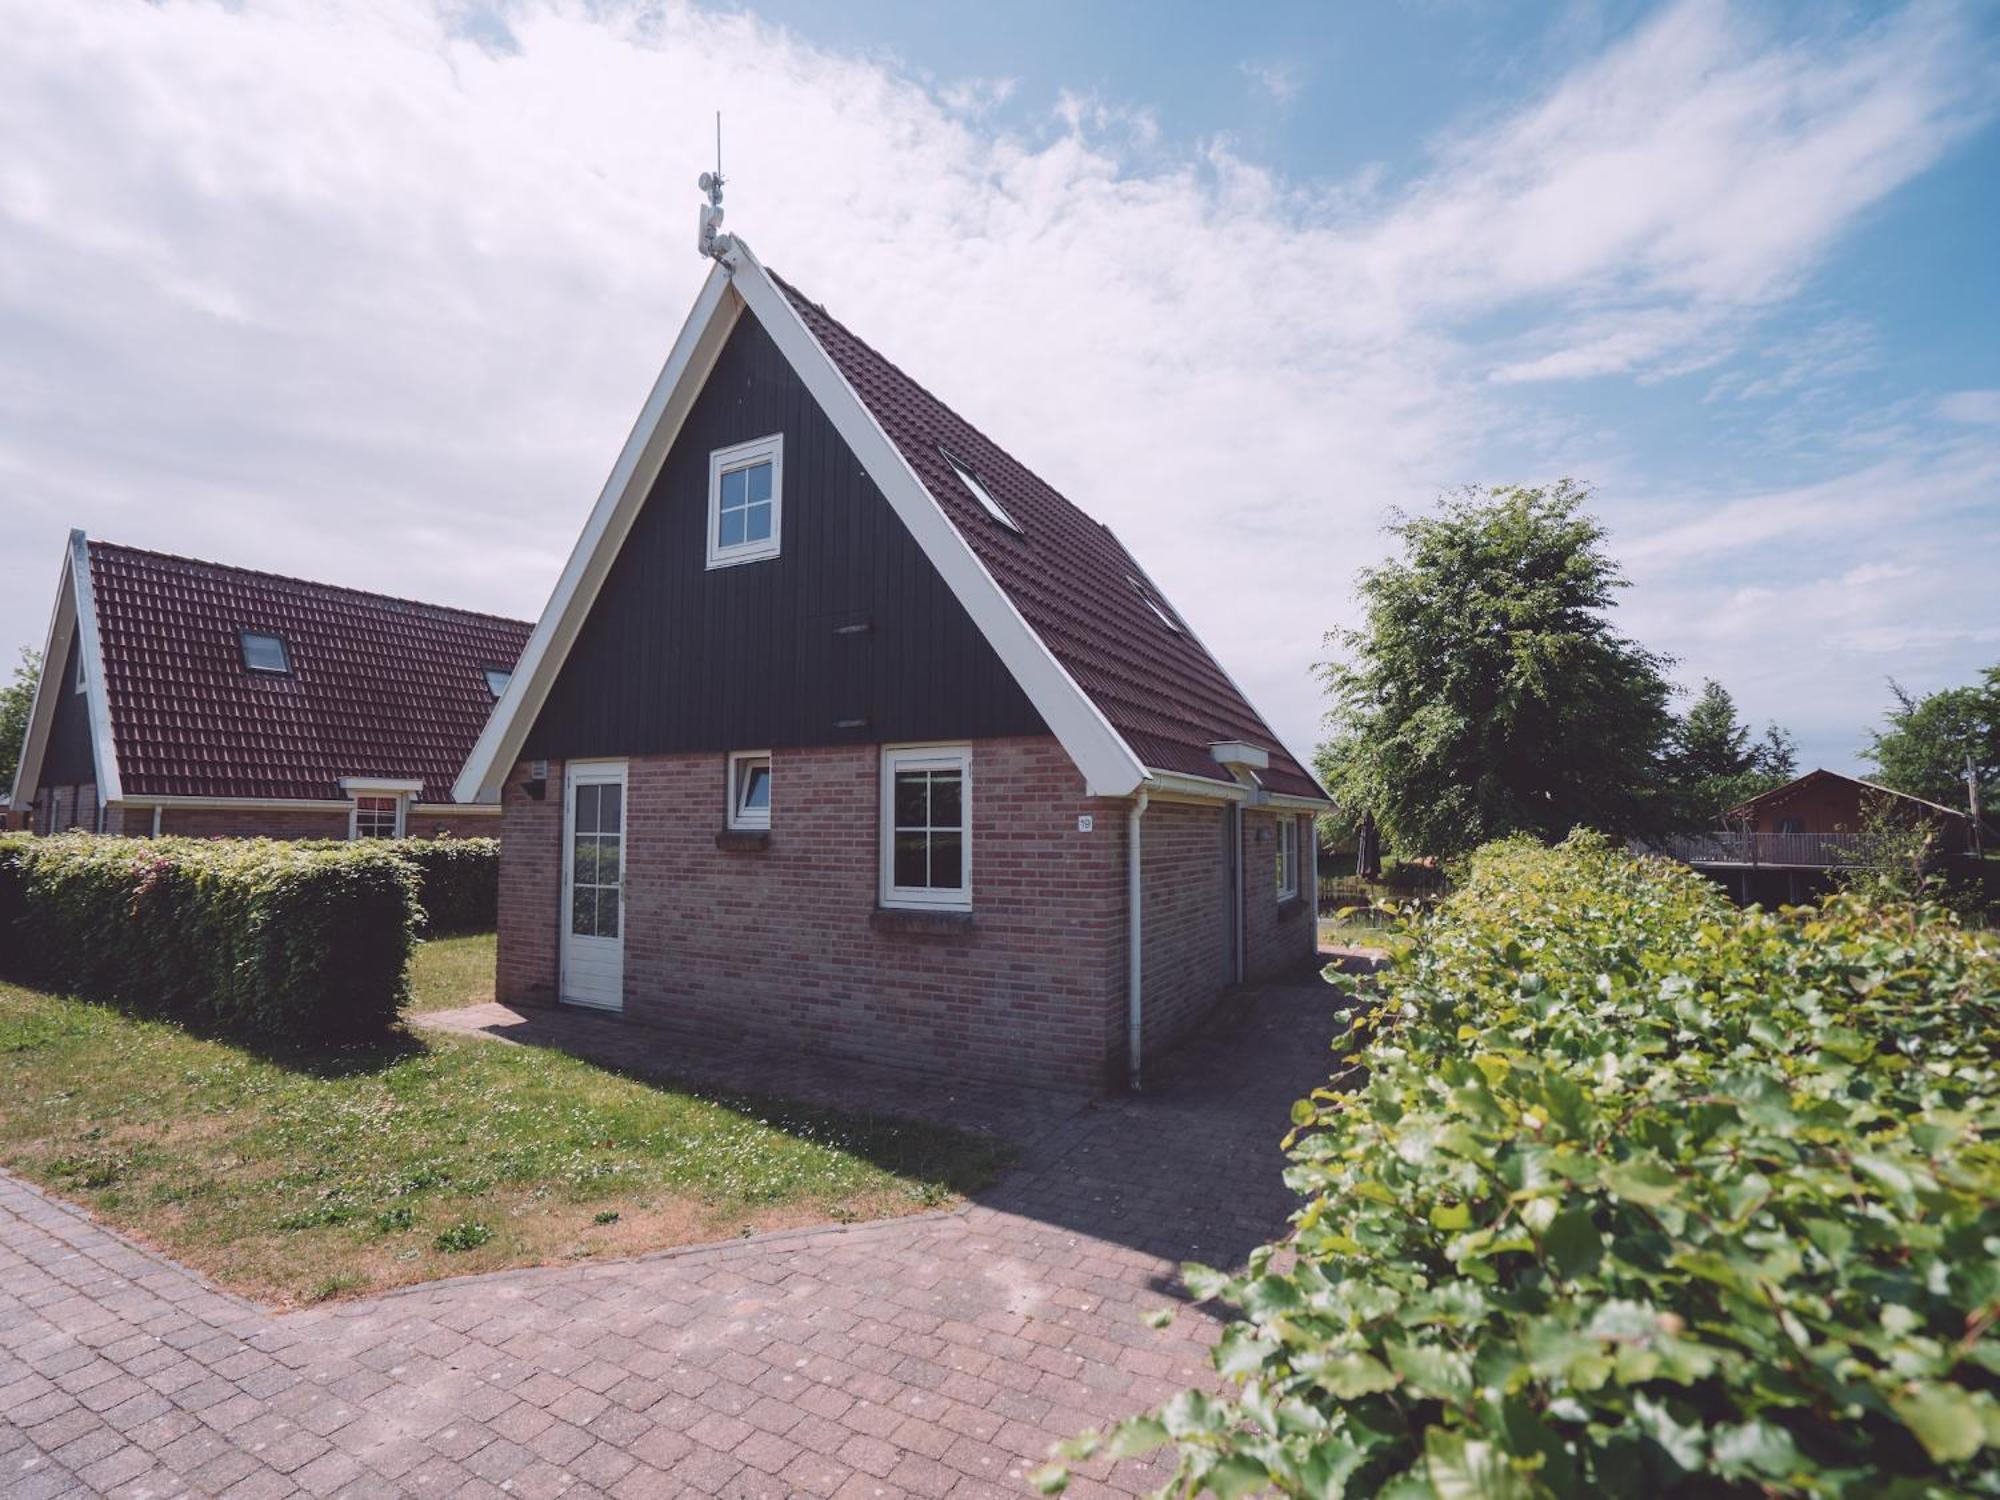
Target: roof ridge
307, 583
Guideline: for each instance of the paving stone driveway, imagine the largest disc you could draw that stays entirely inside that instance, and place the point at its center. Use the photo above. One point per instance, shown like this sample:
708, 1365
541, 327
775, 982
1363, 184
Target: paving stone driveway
933, 1356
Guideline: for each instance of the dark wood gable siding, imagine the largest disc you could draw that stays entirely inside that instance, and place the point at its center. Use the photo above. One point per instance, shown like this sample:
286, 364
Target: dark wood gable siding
847, 636
69, 760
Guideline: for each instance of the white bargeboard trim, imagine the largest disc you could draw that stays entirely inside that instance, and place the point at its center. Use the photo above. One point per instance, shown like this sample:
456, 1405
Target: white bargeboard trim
701, 338
74, 618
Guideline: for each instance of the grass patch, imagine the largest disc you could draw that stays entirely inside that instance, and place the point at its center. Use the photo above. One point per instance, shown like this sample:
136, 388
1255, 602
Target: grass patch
1364, 930
298, 1178
446, 973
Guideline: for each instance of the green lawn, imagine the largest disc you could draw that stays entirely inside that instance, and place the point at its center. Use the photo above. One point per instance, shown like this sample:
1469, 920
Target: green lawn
449, 972
1363, 930
297, 1178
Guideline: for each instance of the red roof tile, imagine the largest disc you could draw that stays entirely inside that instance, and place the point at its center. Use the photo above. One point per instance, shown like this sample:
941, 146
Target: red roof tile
378, 687
1071, 579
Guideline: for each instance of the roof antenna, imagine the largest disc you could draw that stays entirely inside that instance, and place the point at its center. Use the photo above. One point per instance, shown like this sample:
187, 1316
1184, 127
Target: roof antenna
712, 242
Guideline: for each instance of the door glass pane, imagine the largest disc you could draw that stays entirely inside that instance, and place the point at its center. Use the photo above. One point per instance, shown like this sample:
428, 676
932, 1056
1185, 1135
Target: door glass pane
607, 860
586, 809
607, 914
947, 862
584, 871
610, 806
910, 868
583, 910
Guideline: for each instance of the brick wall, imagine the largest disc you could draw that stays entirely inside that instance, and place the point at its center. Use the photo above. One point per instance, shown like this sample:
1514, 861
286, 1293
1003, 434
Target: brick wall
243, 823
530, 890
1187, 919
1278, 937
782, 945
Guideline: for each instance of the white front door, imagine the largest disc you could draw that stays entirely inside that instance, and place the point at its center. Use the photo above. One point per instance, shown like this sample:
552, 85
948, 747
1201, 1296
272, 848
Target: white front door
593, 934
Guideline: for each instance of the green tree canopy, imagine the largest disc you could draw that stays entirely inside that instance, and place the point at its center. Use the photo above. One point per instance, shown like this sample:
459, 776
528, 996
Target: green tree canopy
16, 699
1923, 749
1714, 764
1486, 692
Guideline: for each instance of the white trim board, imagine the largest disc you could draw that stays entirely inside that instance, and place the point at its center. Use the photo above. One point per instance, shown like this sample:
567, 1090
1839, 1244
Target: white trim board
74, 618
1109, 767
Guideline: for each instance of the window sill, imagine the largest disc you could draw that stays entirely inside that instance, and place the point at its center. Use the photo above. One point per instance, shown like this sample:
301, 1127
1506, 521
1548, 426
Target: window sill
943, 923
743, 840
1290, 906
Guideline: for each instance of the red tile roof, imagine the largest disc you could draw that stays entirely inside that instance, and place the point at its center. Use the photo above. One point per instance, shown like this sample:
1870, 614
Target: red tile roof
1071, 579
378, 687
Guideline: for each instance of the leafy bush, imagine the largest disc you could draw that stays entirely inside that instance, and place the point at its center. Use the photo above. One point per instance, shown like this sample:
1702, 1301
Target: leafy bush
458, 882
1641, 1194
255, 935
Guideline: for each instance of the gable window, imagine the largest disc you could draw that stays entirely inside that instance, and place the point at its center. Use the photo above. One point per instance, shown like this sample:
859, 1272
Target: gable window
750, 789
979, 491
1288, 858
79, 670
265, 653
377, 818
497, 679
927, 827
746, 501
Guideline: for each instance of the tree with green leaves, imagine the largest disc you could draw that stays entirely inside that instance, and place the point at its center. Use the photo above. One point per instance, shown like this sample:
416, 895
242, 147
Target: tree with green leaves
1714, 764
1487, 692
16, 699
1924, 748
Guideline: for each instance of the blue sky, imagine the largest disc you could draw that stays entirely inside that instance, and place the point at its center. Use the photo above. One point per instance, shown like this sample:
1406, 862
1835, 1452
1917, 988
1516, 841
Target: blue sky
371, 291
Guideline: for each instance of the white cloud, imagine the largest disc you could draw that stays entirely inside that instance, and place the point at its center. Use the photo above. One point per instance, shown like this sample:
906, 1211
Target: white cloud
1979, 407
350, 292
1279, 82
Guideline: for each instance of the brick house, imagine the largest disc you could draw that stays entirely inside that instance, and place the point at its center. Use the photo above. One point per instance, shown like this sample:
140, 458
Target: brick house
185, 697
842, 730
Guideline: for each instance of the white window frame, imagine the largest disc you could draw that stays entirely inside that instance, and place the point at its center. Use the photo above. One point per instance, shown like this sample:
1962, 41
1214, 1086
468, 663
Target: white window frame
925, 758
354, 812
743, 456
750, 820
1288, 858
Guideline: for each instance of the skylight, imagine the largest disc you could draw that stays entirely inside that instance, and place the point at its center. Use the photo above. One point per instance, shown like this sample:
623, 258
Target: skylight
497, 679
1154, 604
979, 492
265, 653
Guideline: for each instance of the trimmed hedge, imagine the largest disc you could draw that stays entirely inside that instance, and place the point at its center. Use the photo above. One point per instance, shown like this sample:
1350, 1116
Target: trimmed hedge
258, 936
1641, 1195
458, 882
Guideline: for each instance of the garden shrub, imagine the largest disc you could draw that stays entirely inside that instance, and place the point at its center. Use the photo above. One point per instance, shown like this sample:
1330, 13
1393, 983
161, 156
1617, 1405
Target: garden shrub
458, 882
1633, 1193
258, 936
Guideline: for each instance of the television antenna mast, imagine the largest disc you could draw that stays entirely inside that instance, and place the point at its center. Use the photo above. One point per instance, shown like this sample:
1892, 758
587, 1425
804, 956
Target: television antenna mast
711, 241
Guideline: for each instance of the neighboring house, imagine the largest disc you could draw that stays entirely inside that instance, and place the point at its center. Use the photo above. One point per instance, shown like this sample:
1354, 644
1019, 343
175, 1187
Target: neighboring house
187, 697
843, 731
1782, 844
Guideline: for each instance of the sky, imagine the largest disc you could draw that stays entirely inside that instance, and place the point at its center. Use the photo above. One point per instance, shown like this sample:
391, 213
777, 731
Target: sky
372, 293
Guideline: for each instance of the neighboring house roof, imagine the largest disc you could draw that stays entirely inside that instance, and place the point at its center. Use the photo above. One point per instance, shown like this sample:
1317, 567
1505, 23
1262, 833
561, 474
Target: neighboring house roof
1790, 788
1133, 700
377, 687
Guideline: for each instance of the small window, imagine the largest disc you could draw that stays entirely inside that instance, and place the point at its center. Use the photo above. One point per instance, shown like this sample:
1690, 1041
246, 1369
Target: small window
750, 789
497, 679
979, 491
378, 817
1288, 858
265, 653
746, 501
1154, 604
79, 669
927, 828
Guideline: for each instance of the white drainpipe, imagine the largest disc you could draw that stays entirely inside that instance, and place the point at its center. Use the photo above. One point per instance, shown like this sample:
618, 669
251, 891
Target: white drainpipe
1241, 827
1135, 1004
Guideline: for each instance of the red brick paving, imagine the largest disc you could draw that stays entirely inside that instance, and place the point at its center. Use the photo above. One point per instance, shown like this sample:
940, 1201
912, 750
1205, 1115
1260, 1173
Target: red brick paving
933, 1356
